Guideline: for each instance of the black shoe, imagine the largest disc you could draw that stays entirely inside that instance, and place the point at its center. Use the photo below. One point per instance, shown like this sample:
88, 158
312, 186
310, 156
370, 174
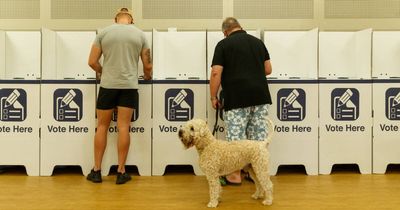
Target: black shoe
94, 176
122, 178
248, 177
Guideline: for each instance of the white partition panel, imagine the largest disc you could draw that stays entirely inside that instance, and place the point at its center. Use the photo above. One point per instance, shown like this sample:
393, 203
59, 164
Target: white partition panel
72, 49
295, 114
345, 124
66, 53
386, 54
22, 54
179, 55
386, 108
345, 54
49, 61
2, 54
294, 53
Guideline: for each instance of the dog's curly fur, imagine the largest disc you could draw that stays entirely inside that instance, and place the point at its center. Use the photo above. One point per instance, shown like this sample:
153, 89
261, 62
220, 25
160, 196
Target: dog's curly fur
218, 158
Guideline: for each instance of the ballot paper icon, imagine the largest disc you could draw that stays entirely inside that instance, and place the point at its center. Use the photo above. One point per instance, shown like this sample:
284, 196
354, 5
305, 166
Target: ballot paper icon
179, 104
67, 105
392, 103
13, 105
345, 104
291, 104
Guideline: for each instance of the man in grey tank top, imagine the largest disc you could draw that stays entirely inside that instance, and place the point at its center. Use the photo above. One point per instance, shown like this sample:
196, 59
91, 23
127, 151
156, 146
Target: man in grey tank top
121, 44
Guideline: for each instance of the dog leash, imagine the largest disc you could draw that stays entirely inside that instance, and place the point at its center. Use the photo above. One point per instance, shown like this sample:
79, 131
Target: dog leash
216, 121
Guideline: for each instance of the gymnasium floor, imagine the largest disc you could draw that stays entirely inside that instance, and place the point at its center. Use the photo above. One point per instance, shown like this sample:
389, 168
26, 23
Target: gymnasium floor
179, 189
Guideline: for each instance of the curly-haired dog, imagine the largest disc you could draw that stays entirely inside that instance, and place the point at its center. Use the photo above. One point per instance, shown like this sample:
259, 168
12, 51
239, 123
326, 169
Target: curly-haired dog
218, 158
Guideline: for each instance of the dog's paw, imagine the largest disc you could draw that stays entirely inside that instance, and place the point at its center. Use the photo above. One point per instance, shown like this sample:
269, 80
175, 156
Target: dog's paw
257, 195
212, 204
267, 202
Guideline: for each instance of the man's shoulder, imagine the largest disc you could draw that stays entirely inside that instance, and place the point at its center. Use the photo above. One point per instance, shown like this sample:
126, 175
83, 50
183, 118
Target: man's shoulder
133, 27
121, 27
107, 29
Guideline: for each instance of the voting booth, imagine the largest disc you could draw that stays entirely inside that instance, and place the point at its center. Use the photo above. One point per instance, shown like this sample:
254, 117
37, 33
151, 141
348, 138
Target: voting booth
67, 101
293, 86
213, 37
386, 98
140, 130
179, 94
345, 100
20, 53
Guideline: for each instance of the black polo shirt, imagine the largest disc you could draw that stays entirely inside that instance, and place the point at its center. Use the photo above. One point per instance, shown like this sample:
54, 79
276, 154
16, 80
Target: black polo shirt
243, 77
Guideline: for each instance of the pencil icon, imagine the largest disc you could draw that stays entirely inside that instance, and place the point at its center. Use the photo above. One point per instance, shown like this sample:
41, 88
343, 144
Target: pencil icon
179, 98
345, 97
12, 98
291, 98
67, 98
396, 100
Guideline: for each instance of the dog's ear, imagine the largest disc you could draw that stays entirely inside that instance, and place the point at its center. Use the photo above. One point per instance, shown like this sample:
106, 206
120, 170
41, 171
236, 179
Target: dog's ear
203, 131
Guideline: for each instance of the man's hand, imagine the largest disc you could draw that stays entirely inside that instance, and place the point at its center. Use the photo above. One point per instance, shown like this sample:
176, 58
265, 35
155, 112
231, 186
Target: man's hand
145, 77
215, 103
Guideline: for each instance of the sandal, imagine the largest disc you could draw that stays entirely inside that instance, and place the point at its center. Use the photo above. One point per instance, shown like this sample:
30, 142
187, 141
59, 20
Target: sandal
224, 181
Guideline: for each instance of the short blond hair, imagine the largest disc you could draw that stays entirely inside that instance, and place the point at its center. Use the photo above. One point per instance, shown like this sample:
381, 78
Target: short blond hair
123, 11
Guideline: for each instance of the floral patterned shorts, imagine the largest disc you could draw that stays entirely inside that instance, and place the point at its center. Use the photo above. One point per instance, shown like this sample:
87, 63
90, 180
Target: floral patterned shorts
246, 123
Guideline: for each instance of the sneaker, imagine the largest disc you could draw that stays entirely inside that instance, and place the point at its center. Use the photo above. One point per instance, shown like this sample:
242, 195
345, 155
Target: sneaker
94, 176
122, 178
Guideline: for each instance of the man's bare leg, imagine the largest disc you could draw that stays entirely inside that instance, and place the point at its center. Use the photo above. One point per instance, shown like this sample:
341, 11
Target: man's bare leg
100, 138
123, 124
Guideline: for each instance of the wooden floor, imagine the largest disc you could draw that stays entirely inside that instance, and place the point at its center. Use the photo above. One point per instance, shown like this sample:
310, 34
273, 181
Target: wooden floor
344, 189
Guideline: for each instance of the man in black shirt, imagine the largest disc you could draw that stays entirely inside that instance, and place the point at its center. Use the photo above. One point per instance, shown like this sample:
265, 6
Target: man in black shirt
240, 65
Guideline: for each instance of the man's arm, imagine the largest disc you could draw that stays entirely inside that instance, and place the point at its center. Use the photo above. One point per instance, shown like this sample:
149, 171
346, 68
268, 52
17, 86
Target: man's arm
215, 82
147, 63
268, 67
94, 57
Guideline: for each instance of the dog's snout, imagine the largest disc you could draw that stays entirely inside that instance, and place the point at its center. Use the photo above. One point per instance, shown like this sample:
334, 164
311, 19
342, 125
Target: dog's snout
180, 133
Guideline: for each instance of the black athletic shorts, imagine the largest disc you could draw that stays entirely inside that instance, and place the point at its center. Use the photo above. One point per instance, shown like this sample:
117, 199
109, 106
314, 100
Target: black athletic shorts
111, 98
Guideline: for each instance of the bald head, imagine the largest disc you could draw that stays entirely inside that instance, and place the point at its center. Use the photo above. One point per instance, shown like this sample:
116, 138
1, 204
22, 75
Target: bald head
230, 24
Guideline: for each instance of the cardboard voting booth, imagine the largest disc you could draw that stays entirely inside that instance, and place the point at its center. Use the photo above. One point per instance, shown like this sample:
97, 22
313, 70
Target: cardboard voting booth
20, 53
179, 94
386, 96
345, 100
67, 101
294, 91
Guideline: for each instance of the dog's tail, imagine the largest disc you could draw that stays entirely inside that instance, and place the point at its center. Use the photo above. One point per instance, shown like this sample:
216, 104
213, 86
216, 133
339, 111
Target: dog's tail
271, 131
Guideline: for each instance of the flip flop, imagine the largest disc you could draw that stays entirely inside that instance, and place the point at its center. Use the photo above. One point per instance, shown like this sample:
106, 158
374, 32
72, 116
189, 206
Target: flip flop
224, 181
